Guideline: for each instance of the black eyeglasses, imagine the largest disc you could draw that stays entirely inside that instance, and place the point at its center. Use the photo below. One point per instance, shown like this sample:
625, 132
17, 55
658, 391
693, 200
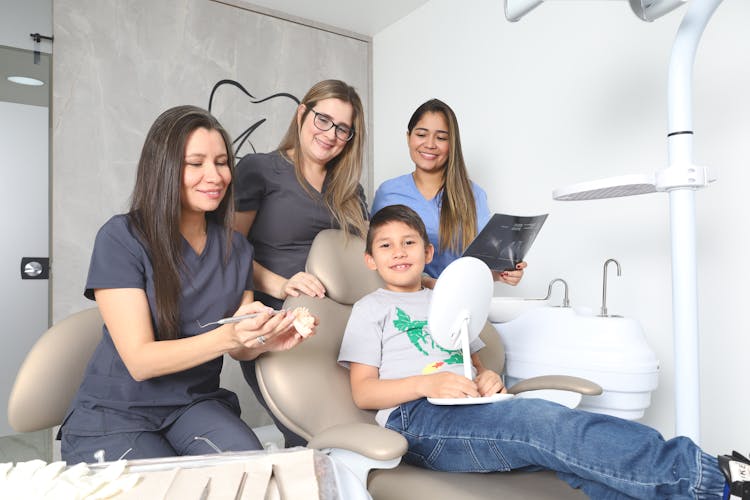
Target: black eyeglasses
324, 124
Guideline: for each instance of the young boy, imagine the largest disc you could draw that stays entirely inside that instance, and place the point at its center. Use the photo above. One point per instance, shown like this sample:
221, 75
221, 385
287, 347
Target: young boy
395, 365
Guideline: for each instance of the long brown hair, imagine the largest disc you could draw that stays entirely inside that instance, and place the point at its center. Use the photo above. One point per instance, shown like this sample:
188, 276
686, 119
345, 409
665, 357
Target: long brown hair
344, 171
156, 205
458, 210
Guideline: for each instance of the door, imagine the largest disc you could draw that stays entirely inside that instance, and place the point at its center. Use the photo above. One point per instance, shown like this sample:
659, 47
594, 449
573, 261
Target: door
24, 295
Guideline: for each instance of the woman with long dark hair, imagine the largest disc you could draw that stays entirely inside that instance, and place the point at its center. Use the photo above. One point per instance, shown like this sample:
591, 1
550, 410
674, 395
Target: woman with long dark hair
157, 273
453, 208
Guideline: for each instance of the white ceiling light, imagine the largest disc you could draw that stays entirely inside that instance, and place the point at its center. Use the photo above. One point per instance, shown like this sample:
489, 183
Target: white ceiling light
25, 80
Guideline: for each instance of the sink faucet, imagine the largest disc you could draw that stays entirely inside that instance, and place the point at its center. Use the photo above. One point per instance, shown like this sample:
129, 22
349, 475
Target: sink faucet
566, 302
603, 311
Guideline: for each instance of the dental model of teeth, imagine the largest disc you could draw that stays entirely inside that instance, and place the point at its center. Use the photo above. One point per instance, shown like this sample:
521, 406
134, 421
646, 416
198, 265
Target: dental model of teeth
303, 321
36, 479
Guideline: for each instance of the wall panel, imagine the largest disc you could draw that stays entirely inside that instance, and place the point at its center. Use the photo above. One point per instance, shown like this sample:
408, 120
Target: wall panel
119, 64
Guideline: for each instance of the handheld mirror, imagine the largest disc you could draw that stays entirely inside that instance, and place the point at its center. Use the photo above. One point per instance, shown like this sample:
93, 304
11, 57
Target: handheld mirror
458, 312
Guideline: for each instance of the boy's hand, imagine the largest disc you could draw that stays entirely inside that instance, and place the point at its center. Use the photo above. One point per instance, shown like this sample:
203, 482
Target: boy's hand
448, 385
489, 383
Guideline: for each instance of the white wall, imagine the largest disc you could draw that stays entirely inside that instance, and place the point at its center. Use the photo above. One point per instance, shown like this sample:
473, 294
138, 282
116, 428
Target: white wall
576, 91
23, 303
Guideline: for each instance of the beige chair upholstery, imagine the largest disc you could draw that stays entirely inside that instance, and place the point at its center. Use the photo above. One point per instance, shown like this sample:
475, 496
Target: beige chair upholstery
52, 372
310, 393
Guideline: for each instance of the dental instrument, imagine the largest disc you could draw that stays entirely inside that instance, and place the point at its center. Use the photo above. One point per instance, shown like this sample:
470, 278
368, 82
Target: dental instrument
237, 319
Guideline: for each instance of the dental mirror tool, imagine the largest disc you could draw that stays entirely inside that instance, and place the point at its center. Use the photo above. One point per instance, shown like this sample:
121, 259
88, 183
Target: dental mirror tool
237, 319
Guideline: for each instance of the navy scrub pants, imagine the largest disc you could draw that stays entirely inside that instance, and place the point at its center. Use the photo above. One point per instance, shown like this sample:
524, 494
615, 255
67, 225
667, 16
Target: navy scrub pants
209, 419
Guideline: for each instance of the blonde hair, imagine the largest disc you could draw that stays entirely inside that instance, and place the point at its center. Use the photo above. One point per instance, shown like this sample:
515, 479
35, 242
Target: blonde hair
458, 210
342, 195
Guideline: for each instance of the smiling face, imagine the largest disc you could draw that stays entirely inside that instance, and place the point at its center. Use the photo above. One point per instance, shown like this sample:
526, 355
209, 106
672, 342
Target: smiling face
317, 146
429, 143
399, 255
205, 173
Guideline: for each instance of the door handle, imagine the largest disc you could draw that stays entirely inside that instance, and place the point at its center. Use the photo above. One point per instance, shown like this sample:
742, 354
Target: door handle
34, 268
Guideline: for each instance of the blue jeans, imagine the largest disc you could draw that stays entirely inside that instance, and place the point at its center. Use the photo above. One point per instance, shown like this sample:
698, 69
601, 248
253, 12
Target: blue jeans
607, 457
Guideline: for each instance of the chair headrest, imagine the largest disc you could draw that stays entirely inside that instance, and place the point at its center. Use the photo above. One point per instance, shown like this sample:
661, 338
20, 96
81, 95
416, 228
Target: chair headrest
337, 260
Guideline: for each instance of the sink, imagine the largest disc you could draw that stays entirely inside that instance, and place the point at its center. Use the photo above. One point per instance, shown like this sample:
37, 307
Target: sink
611, 351
504, 309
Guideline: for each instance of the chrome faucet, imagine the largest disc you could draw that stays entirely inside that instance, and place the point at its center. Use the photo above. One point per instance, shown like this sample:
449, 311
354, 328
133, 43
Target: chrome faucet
603, 311
566, 302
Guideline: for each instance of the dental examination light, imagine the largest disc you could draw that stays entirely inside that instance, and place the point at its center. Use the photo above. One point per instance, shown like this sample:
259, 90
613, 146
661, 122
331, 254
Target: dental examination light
648, 10
681, 179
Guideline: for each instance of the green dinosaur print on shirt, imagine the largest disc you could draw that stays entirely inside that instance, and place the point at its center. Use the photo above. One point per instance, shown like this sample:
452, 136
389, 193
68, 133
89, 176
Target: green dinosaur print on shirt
418, 335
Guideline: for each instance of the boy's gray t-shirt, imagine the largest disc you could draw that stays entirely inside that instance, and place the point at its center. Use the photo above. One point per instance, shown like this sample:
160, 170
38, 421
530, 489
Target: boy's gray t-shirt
388, 330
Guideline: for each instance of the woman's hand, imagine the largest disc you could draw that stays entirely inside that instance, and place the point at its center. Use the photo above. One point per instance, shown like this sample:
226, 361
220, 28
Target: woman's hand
267, 323
489, 383
268, 331
302, 283
289, 337
511, 278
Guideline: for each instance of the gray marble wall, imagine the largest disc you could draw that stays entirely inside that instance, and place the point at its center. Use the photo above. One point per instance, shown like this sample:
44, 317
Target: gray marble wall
118, 64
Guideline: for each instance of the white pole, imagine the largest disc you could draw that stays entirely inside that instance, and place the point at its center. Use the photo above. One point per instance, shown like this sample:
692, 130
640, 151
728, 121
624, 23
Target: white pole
465, 347
685, 314
682, 220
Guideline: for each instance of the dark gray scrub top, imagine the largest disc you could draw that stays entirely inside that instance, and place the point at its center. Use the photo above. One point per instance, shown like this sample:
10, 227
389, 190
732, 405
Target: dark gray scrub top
109, 399
288, 217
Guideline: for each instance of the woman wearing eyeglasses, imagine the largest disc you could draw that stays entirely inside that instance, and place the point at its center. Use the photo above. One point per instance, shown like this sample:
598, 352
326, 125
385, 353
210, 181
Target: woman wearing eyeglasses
310, 183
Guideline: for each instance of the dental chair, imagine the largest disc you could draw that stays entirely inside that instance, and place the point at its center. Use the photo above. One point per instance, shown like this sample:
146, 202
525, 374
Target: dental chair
52, 371
309, 392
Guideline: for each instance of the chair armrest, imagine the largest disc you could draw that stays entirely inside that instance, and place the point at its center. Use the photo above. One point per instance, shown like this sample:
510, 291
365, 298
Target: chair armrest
558, 382
369, 440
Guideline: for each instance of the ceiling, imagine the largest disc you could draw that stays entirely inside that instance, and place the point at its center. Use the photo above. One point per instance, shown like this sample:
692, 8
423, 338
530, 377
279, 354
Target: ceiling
365, 17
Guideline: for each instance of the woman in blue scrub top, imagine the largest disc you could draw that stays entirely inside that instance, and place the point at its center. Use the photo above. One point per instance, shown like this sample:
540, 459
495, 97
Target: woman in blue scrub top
453, 208
158, 272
